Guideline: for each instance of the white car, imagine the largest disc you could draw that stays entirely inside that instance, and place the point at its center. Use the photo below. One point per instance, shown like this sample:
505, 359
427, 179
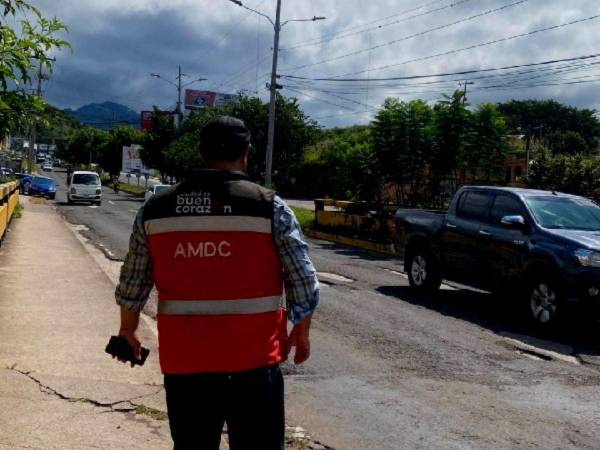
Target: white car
47, 166
155, 190
84, 187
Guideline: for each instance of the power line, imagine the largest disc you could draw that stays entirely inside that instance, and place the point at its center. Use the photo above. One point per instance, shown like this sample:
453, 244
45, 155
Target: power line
319, 99
408, 11
483, 44
446, 74
545, 71
341, 35
411, 36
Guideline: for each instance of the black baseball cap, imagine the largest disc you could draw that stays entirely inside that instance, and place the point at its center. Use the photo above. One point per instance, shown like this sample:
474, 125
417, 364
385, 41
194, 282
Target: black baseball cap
224, 138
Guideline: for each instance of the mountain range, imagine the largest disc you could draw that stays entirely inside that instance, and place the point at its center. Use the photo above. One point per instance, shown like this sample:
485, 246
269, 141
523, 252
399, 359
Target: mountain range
104, 115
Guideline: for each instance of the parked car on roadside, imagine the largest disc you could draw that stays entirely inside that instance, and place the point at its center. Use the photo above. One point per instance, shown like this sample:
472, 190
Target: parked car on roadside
542, 246
6, 172
44, 186
155, 190
25, 182
84, 186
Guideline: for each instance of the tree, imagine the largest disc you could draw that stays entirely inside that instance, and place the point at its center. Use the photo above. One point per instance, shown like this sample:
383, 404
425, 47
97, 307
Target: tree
573, 174
341, 165
402, 144
175, 151
540, 120
566, 143
22, 50
450, 124
110, 155
84, 147
157, 140
17, 110
486, 146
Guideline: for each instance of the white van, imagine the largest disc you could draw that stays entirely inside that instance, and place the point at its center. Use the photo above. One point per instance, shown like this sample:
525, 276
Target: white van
84, 187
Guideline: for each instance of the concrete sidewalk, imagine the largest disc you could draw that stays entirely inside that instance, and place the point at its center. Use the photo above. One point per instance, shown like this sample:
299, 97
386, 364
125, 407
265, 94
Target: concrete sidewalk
58, 389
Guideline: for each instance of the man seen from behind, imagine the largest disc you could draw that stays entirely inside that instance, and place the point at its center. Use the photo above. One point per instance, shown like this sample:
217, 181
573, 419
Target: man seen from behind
231, 267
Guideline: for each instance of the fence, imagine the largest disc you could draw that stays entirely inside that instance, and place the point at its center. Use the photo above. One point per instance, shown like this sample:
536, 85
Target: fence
9, 198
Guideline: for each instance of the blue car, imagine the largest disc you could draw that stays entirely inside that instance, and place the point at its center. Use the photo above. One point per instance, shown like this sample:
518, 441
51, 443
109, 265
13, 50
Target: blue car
46, 187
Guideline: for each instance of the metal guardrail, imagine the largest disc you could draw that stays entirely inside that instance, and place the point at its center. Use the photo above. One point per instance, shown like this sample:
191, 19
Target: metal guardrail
369, 221
9, 198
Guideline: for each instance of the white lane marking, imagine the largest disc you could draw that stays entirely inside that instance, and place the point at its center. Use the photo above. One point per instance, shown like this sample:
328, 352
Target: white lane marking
133, 210
93, 206
111, 202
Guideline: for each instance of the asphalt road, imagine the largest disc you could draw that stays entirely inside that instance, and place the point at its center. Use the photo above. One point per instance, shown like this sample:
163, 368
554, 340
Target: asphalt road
391, 370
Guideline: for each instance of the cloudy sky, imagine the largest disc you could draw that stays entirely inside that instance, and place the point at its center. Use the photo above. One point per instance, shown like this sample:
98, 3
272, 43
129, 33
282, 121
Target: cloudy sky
118, 43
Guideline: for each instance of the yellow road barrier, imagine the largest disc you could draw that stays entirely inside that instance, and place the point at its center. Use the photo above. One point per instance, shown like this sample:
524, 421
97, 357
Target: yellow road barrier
9, 198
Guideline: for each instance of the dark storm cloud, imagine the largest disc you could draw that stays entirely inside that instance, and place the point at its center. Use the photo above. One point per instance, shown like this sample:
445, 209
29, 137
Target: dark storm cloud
117, 43
114, 62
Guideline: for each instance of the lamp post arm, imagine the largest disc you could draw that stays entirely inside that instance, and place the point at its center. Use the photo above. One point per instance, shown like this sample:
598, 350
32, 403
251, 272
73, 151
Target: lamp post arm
313, 19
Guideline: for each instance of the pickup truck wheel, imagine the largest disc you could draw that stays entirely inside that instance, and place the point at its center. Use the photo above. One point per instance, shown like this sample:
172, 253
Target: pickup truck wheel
544, 301
422, 273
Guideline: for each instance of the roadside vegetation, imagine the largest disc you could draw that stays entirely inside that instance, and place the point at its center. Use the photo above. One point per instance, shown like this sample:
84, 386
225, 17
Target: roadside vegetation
413, 153
18, 212
305, 217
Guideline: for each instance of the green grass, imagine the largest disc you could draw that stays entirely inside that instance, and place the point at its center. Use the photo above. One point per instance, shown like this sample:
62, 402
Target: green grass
138, 191
18, 212
151, 412
305, 217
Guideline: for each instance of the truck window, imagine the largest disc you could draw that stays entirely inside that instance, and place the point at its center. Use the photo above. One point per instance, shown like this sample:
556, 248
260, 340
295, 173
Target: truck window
473, 205
505, 205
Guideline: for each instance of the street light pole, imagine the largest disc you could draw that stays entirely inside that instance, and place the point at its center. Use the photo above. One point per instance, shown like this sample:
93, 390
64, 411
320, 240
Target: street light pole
277, 25
179, 88
273, 100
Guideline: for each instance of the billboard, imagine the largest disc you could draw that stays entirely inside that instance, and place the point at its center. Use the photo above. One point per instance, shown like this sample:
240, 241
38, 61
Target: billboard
146, 119
132, 163
199, 99
207, 99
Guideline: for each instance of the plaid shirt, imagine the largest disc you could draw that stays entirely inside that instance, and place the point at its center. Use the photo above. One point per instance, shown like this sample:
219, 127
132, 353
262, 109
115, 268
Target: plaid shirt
299, 275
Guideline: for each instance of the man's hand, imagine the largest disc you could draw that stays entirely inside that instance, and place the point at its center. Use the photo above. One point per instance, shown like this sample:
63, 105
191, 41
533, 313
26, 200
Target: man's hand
132, 339
299, 338
129, 323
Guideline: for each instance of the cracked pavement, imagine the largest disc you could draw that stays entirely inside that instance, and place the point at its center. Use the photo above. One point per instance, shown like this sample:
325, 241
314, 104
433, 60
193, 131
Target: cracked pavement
58, 389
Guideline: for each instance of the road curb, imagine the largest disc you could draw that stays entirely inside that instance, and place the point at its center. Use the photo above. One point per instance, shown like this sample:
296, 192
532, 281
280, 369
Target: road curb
386, 249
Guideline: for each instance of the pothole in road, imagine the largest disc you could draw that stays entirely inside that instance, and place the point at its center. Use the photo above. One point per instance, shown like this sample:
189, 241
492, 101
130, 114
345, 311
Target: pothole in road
333, 278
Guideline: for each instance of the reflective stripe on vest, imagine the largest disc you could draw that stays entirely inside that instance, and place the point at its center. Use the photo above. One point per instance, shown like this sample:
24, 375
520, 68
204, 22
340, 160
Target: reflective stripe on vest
208, 223
220, 307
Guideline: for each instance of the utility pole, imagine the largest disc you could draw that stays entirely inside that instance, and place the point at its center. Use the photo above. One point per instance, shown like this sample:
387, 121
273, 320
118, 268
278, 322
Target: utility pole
33, 136
179, 87
273, 102
179, 118
466, 84
273, 86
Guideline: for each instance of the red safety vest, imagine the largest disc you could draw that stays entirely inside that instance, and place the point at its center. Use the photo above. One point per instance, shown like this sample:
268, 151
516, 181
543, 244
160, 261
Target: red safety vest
220, 286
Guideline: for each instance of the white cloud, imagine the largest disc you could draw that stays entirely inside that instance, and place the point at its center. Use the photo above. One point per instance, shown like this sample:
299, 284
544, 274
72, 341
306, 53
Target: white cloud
118, 42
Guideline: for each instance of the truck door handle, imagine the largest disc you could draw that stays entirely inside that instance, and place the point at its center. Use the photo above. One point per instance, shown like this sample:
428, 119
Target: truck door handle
450, 225
485, 233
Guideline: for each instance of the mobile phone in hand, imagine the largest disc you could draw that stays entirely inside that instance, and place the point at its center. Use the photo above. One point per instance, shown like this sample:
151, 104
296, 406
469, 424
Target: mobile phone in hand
119, 347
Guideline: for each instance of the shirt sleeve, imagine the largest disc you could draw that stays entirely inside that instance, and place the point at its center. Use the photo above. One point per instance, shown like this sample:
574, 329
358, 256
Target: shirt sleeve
299, 274
136, 282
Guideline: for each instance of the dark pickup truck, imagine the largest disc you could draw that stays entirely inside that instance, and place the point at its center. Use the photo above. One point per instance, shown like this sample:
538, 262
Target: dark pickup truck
542, 246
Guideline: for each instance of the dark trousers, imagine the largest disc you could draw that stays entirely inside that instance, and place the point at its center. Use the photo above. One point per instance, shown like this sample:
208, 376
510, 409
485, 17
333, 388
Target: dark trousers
251, 403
